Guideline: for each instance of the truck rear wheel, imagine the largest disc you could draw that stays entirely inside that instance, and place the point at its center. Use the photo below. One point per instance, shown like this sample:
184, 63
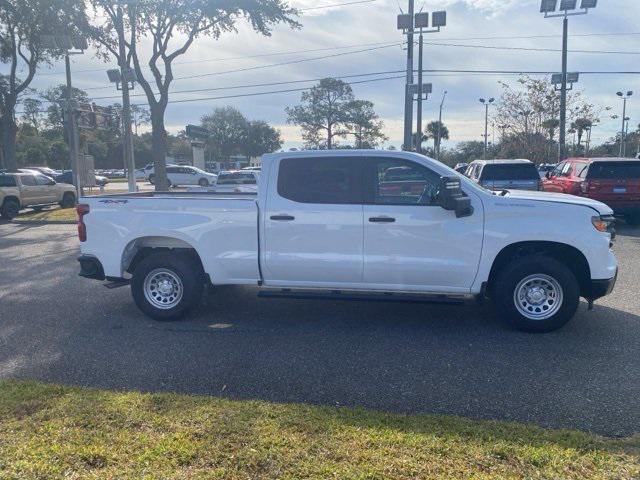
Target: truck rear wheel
536, 294
68, 200
165, 286
10, 209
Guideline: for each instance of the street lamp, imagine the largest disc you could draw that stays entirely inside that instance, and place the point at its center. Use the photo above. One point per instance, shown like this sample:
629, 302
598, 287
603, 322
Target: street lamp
409, 23
623, 136
70, 45
567, 9
486, 104
440, 126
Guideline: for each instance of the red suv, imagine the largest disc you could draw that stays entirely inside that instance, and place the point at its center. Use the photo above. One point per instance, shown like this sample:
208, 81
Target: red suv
614, 181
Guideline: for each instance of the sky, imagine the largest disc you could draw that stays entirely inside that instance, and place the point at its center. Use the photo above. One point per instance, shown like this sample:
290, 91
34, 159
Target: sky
361, 38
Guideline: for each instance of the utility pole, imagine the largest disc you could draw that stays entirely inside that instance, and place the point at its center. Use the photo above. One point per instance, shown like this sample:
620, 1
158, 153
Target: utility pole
127, 147
408, 95
419, 114
567, 9
440, 126
623, 139
486, 104
563, 89
72, 131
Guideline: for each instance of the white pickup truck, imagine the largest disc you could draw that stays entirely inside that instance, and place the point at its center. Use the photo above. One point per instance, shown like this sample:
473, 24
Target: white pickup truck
356, 224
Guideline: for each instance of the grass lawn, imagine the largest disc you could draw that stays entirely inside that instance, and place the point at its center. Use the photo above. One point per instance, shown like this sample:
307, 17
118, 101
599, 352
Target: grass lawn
50, 215
49, 431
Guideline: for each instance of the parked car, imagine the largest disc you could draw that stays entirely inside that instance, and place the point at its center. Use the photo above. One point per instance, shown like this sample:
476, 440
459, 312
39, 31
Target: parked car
186, 175
614, 181
516, 174
543, 168
461, 167
237, 181
322, 225
49, 172
67, 177
21, 190
257, 169
150, 171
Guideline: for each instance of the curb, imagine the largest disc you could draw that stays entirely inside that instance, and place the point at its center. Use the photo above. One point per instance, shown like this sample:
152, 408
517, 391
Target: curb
44, 222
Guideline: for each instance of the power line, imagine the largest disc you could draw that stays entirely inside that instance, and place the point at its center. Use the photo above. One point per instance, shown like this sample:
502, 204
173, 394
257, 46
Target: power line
359, 2
270, 65
530, 49
340, 47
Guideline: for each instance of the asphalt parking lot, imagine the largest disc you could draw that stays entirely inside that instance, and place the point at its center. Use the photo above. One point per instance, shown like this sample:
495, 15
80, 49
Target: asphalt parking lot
57, 327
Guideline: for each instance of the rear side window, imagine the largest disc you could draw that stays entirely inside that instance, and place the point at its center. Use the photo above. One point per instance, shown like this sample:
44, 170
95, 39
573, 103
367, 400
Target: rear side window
7, 181
320, 180
615, 170
510, 172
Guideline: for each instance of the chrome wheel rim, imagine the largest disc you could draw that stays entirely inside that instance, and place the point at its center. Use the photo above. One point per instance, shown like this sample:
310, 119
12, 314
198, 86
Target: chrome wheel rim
538, 296
163, 288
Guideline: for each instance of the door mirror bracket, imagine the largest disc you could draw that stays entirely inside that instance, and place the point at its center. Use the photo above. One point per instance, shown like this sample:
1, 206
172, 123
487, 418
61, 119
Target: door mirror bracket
451, 197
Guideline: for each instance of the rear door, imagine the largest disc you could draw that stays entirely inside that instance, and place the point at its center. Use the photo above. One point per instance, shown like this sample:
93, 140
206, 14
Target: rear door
31, 192
410, 242
313, 223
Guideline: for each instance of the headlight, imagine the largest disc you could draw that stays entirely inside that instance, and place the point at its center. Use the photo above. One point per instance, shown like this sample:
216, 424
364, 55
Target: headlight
605, 224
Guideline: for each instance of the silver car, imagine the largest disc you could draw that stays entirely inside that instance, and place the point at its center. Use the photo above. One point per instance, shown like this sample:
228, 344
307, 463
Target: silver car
512, 174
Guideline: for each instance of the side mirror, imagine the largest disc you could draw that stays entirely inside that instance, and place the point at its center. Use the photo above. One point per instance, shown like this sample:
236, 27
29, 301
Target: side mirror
548, 175
451, 197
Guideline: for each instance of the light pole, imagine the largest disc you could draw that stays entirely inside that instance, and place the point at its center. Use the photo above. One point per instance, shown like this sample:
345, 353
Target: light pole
70, 46
623, 139
408, 23
440, 126
486, 104
125, 78
567, 9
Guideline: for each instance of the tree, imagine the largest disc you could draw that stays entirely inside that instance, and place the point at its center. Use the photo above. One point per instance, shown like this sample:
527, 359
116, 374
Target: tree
364, 124
173, 26
32, 112
227, 131
581, 125
57, 96
22, 22
261, 138
140, 115
323, 113
432, 132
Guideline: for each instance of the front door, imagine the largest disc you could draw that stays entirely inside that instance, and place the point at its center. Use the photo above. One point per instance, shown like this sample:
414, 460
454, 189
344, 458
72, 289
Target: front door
410, 242
313, 223
31, 192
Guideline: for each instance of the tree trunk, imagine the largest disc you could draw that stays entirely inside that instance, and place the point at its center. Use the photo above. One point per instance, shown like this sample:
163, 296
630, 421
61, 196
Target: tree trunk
329, 137
159, 149
9, 131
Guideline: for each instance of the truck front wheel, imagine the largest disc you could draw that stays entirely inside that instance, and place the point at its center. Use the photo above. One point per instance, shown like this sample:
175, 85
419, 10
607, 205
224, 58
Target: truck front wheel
165, 286
536, 294
10, 209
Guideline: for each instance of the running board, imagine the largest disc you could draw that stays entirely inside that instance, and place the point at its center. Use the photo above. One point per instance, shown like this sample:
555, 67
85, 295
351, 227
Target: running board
114, 282
354, 296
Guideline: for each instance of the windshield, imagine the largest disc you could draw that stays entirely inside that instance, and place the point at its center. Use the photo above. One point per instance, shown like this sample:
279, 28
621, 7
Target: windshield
510, 172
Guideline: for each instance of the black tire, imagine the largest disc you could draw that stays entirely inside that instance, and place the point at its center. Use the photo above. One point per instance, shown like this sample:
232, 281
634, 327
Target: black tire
508, 280
203, 182
181, 266
68, 200
152, 179
10, 209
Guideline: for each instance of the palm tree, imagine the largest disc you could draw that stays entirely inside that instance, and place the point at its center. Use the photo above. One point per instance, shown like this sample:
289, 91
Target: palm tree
432, 132
581, 125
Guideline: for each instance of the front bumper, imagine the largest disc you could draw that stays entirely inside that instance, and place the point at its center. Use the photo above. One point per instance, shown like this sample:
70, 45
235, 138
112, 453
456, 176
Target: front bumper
601, 288
90, 267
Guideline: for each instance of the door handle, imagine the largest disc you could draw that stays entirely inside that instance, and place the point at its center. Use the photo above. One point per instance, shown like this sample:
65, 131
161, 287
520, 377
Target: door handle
382, 219
282, 218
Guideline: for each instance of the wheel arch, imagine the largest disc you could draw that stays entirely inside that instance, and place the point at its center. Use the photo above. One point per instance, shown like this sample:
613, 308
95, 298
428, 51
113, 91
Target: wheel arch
566, 254
10, 197
141, 247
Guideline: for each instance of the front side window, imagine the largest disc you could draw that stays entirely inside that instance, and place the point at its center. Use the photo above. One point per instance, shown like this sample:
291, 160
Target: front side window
401, 182
328, 180
42, 180
558, 170
28, 180
566, 170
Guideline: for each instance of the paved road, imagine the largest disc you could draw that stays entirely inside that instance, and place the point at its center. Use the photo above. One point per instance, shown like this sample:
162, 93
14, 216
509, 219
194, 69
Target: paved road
459, 360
